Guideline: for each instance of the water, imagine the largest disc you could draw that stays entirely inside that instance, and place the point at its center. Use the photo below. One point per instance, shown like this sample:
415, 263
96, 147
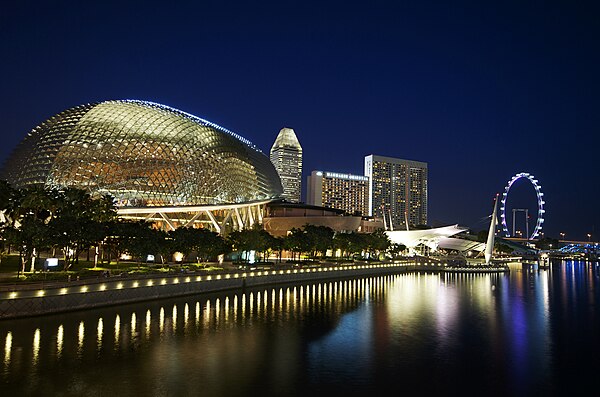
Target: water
530, 332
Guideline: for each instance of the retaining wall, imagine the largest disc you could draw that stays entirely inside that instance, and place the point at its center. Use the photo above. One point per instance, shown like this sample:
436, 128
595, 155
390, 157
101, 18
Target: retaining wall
27, 301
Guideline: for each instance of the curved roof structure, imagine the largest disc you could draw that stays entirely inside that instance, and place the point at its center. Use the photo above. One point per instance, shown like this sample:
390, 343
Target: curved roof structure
429, 237
460, 244
144, 154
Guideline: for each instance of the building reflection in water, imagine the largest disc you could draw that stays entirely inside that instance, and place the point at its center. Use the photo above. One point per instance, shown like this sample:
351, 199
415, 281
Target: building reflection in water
147, 328
117, 331
36, 346
7, 348
59, 340
80, 337
341, 327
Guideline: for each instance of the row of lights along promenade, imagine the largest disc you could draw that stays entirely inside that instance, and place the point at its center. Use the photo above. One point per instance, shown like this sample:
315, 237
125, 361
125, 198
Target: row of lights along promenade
31, 299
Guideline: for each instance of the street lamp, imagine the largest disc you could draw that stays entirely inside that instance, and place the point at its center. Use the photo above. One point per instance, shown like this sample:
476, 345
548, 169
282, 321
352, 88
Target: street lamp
562, 236
589, 237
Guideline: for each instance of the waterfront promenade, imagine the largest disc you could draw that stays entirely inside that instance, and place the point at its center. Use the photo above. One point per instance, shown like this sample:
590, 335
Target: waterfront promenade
31, 299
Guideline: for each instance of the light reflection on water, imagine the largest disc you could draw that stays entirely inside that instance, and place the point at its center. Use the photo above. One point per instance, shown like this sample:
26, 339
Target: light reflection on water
99, 331
509, 333
7, 348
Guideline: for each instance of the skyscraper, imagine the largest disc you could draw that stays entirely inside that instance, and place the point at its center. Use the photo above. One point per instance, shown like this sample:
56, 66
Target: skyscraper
286, 156
398, 189
339, 190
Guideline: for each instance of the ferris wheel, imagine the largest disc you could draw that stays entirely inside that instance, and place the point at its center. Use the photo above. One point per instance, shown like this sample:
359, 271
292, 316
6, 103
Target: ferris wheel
540, 203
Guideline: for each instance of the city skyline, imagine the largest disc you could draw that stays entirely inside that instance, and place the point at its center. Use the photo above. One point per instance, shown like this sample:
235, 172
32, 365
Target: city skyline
480, 92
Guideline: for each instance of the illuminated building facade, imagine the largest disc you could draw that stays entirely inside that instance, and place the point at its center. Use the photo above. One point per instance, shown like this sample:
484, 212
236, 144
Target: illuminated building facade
159, 163
281, 217
286, 156
338, 190
398, 189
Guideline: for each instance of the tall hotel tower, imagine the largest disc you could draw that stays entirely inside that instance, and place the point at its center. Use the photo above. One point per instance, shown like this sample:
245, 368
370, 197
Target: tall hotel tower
398, 188
286, 156
337, 190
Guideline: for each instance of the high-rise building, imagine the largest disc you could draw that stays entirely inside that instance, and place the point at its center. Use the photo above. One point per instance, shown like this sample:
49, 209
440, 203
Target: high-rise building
286, 156
398, 189
338, 190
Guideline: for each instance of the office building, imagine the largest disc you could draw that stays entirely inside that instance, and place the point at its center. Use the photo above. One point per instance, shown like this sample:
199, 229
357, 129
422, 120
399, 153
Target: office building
286, 156
340, 191
398, 190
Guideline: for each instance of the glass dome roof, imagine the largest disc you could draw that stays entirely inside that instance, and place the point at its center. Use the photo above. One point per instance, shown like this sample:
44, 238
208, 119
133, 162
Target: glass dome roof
143, 154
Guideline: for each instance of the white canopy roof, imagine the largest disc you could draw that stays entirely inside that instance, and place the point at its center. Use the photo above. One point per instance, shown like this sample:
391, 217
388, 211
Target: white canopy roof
429, 237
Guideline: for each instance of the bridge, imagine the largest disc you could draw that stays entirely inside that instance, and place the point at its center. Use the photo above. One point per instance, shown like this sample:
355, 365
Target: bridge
523, 240
586, 248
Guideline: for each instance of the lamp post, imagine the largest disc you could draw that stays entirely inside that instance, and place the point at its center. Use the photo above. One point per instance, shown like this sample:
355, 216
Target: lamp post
562, 236
589, 237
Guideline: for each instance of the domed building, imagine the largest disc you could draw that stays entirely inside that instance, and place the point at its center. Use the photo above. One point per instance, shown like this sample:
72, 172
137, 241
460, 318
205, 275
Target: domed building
157, 162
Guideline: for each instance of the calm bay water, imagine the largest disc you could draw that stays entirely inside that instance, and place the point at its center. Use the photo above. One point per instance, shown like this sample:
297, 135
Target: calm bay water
531, 332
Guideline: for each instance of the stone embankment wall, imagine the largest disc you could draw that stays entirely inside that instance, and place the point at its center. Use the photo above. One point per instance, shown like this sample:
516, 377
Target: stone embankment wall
26, 301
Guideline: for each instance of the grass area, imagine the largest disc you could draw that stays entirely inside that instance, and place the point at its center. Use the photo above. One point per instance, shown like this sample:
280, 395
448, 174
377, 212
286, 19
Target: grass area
10, 266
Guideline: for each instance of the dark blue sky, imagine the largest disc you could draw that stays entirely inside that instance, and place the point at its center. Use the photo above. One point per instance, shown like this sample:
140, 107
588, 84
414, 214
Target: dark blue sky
478, 90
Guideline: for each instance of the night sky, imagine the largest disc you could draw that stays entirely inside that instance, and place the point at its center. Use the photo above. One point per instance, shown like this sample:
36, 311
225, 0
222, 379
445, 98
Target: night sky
479, 90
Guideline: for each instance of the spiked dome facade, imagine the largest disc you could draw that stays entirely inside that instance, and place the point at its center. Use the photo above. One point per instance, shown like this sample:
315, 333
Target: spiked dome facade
160, 164
144, 154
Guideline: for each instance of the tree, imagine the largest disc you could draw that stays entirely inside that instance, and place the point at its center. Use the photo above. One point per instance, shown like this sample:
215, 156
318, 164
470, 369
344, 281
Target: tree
262, 241
209, 245
28, 212
163, 245
80, 222
206, 243
9, 199
8, 202
142, 243
377, 242
350, 243
277, 244
30, 237
297, 242
395, 250
121, 234
247, 240
318, 238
